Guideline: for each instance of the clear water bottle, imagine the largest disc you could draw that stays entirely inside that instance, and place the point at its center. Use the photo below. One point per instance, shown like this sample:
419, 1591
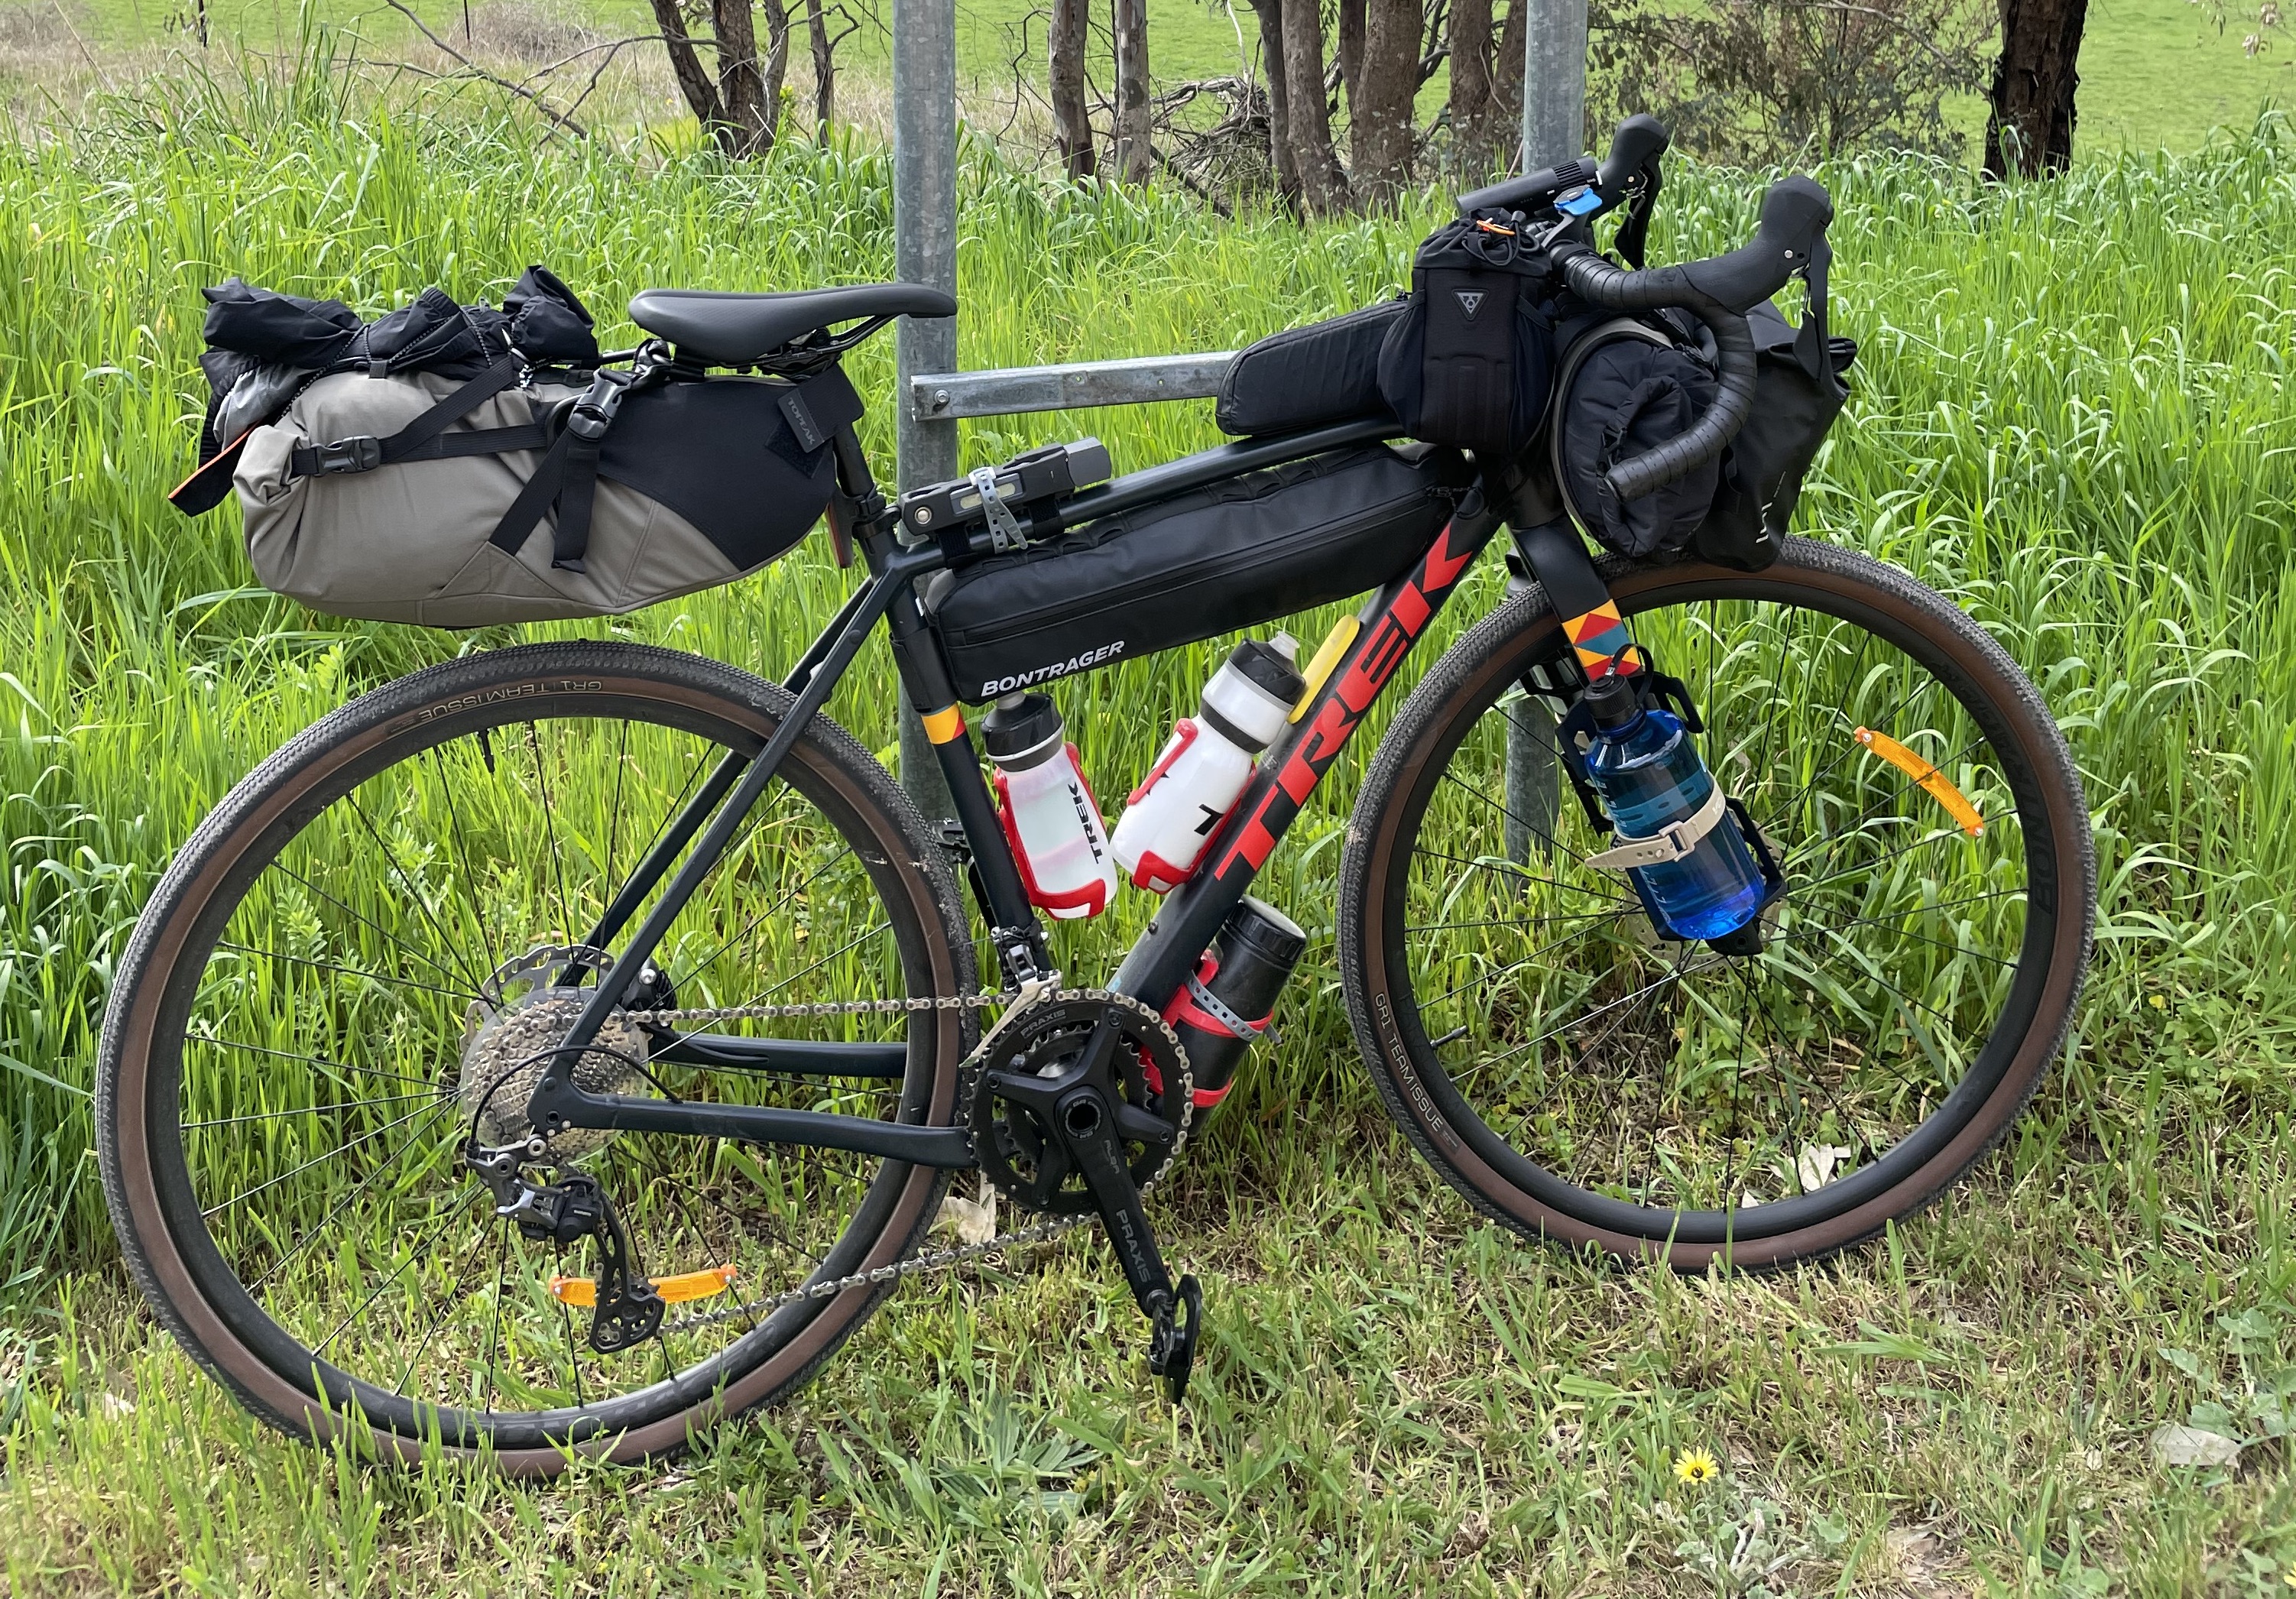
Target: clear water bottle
1051, 818
1169, 819
1661, 796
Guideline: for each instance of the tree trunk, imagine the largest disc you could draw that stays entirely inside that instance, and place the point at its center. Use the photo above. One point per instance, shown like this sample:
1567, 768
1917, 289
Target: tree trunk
1281, 156
825, 67
1474, 98
2031, 131
1064, 72
1506, 89
749, 91
693, 79
1323, 183
1134, 153
1351, 46
1382, 134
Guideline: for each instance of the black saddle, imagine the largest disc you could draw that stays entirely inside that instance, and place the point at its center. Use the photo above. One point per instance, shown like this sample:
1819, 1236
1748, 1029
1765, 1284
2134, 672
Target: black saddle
733, 330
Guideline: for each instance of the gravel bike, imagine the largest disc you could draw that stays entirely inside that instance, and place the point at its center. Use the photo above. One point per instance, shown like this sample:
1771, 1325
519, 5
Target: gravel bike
562, 1049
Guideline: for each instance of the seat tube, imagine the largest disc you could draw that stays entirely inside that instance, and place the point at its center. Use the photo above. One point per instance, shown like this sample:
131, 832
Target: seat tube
1014, 925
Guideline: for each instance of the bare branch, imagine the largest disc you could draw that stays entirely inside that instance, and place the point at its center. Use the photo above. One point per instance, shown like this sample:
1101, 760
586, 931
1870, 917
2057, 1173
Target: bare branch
477, 71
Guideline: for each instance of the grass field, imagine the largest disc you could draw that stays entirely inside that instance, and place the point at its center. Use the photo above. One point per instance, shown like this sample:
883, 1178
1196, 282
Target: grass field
2070, 416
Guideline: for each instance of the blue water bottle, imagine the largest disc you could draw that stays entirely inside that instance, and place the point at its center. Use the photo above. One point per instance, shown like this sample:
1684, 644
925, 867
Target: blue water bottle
1674, 836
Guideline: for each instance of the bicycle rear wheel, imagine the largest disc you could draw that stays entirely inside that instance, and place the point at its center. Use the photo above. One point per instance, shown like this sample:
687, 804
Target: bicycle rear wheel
370, 935
1581, 1079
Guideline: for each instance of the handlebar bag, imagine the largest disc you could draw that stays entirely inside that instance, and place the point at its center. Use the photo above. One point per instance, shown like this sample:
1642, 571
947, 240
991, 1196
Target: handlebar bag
1236, 553
1327, 371
1628, 385
1470, 362
1799, 385
502, 516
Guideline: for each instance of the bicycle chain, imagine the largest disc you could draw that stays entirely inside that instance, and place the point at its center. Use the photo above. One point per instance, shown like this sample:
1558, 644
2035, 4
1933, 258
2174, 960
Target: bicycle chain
1030, 995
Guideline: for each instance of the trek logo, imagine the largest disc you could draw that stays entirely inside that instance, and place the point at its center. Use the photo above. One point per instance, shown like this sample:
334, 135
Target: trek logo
1379, 650
1471, 300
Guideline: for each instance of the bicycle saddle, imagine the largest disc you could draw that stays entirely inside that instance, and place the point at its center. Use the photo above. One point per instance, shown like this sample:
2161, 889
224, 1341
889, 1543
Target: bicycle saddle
733, 330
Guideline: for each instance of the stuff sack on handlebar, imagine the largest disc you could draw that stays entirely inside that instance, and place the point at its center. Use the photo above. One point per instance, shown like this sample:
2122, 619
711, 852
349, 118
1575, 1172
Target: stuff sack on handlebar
1630, 384
1240, 552
1471, 361
471, 477
1799, 390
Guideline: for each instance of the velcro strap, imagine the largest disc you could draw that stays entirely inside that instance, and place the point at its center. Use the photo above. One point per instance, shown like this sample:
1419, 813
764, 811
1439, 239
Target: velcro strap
1671, 844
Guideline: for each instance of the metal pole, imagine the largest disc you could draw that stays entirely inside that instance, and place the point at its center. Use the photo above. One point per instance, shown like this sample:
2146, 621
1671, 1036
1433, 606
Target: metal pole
1532, 778
1553, 82
924, 252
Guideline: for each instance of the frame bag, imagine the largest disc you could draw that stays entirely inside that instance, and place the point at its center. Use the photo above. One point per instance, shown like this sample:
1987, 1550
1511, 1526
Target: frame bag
1470, 362
1232, 555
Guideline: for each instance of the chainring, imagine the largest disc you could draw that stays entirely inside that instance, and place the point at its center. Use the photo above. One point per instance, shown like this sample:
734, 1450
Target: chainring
510, 1038
1150, 1072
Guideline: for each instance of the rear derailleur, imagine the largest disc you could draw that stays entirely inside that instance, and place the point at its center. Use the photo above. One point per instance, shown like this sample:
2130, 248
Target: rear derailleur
1082, 1103
565, 1212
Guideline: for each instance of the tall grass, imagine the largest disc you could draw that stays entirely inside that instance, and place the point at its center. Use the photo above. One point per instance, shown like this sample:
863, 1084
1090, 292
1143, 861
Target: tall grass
2070, 415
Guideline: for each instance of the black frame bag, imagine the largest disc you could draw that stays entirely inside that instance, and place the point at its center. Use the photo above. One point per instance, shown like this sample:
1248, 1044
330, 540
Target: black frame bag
1472, 362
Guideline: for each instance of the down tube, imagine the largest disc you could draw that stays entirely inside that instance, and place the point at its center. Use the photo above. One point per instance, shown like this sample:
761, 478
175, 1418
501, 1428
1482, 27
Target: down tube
1192, 916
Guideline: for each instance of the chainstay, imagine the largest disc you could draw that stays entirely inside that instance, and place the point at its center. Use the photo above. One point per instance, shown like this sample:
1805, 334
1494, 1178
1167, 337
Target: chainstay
926, 1261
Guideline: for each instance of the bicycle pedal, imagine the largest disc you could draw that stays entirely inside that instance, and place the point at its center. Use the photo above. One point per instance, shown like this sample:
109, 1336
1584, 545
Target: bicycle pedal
1172, 1341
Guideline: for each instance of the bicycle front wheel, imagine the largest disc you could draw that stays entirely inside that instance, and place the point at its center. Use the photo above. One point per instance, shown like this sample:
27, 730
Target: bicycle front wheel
1582, 1078
370, 948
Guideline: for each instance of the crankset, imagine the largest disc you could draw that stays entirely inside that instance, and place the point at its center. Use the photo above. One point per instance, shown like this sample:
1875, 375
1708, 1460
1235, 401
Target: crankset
1081, 1104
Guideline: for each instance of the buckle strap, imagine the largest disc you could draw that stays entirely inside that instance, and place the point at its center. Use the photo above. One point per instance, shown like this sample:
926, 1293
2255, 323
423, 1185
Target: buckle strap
366, 453
1668, 844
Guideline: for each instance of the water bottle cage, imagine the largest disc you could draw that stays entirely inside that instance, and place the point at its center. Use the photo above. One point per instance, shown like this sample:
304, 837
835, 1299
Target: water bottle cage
1669, 844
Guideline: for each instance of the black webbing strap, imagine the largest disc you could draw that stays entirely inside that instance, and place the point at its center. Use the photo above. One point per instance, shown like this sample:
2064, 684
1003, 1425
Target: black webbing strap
536, 498
1812, 348
425, 438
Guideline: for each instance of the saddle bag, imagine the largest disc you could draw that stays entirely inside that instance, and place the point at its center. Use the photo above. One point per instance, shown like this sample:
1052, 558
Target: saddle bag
460, 466
692, 483
1232, 555
1470, 362
1327, 371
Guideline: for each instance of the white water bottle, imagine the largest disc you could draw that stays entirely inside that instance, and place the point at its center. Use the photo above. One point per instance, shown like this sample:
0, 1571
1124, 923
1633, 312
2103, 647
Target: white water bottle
1170, 816
1051, 818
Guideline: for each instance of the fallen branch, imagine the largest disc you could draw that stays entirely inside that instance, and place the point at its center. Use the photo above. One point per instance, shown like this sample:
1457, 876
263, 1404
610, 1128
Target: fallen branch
477, 71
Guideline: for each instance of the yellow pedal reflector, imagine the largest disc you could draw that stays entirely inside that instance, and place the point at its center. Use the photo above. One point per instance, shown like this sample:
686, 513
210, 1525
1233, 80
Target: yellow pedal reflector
583, 1291
1940, 788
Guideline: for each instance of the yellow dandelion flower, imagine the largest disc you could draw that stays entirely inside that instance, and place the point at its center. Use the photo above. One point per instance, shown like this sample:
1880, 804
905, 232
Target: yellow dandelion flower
1696, 1467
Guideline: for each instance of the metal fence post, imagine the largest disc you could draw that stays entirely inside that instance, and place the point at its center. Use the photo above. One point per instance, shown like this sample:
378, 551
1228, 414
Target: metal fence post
1553, 82
924, 252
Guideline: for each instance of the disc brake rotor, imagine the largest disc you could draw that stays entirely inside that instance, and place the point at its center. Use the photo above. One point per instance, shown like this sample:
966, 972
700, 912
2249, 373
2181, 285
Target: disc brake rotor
510, 1038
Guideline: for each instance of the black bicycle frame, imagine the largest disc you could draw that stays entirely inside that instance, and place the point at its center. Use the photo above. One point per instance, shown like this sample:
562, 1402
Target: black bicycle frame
1388, 625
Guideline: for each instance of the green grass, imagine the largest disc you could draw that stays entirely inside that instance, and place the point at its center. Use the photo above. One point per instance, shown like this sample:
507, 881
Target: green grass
2070, 416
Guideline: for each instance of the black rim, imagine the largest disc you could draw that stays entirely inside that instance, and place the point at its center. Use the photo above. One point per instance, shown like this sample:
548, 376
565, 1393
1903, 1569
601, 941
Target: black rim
486, 1351
1620, 1080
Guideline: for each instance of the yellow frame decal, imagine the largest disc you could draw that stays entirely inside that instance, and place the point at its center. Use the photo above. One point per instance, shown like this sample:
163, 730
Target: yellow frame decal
583, 1291
945, 726
1940, 788
1335, 645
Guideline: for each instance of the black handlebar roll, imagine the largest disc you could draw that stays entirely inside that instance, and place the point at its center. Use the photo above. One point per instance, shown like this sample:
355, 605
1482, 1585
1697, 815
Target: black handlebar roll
1718, 292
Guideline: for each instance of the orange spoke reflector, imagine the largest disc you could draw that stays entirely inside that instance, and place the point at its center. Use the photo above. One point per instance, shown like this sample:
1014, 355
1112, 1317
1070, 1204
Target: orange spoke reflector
1940, 788
676, 1291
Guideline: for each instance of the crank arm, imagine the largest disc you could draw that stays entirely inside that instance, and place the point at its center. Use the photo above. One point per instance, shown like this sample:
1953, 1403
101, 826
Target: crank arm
1176, 1314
